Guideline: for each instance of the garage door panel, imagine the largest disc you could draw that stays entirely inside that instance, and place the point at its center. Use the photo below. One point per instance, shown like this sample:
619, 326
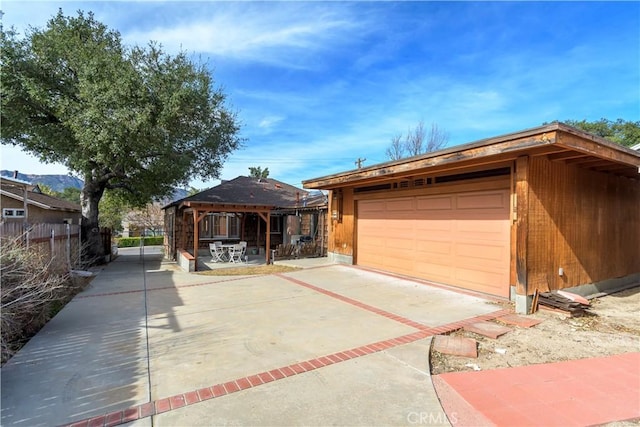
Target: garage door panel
483, 226
430, 225
436, 272
486, 200
399, 246
433, 247
458, 239
402, 205
372, 206
395, 226
470, 252
398, 262
484, 281
434, 203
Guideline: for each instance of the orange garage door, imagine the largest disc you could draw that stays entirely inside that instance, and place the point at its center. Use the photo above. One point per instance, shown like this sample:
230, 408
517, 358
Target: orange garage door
460, 239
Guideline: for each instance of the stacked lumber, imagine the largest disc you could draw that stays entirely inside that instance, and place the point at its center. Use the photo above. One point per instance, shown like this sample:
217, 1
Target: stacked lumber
560, 302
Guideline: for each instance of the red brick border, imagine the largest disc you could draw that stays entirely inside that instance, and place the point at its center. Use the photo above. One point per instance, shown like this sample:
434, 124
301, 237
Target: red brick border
218, 390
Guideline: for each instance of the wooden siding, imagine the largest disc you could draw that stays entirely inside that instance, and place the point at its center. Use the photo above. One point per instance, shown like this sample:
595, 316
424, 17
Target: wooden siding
40, 215
585, 222
341, 236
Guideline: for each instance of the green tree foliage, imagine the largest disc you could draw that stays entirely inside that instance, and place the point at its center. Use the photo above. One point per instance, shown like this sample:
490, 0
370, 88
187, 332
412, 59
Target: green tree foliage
623, 132
129, 119
194, 190
70, 194
258, 172
112, 210
45, 189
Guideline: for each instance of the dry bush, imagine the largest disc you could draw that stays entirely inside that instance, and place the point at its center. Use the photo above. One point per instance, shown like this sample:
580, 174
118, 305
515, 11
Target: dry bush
34, 287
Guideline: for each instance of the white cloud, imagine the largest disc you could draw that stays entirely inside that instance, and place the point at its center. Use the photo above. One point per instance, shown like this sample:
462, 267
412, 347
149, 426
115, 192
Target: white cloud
281, 36
268, 122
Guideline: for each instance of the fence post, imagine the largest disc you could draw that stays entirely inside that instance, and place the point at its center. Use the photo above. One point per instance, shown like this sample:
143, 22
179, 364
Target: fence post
79, 259
142, 245
68, 246
53, 243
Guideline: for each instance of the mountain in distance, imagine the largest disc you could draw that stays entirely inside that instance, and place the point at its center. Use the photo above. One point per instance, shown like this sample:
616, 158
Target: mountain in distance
60, 182
55, 182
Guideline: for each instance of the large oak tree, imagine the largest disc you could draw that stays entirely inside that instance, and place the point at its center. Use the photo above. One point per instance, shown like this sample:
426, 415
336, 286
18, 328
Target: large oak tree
130, 119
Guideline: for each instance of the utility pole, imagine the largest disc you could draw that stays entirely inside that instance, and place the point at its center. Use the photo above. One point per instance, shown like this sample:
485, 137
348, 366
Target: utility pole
359, 162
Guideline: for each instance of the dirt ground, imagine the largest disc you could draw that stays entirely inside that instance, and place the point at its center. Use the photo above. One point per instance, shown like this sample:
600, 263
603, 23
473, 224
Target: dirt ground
611, 327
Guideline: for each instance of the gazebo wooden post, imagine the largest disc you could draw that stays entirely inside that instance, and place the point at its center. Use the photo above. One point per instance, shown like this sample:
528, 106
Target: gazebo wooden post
242, 225
183, 233
268, 238
196, 238
258, 235
267, 219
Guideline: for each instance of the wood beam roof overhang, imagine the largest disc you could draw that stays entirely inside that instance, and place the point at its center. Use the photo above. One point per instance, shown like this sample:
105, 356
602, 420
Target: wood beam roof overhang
212, 207
557, 141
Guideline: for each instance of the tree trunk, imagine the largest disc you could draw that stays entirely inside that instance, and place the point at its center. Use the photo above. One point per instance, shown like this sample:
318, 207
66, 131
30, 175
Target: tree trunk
89, 199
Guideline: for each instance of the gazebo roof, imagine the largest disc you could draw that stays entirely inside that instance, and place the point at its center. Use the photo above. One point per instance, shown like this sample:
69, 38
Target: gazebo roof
248, 191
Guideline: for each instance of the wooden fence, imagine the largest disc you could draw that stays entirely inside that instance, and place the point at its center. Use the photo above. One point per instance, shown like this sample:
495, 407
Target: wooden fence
58, 242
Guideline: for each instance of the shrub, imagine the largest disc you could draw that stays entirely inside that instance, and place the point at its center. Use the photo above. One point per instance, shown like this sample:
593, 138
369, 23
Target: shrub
130, 242
33, 291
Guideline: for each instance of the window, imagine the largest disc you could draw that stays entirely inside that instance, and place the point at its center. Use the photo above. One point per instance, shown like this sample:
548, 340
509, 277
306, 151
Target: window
220, 226
12, 213
275, 224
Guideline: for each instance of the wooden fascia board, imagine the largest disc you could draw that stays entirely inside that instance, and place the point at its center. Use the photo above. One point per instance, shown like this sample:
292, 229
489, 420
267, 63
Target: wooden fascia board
496, 151
208, 207
31, 202
602, 149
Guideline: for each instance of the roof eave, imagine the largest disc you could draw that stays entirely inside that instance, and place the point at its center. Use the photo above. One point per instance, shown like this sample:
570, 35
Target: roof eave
535, 138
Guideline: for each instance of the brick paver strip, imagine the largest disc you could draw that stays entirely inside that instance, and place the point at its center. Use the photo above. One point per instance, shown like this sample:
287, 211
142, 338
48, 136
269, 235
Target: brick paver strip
244, 383
191, 398
218, 390
205, 393
96, 421
276, 374
147, 409
255, 380
162, 405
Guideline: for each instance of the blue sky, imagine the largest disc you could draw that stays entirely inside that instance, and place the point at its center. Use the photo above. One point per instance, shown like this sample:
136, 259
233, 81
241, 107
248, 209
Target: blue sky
317, 85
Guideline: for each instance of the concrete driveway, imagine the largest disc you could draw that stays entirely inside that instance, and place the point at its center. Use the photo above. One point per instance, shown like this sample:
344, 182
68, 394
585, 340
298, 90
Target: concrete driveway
149, 344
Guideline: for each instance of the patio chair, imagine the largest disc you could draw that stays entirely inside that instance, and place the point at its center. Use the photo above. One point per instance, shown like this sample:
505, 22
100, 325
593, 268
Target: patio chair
243, 246
235, 253
217, 252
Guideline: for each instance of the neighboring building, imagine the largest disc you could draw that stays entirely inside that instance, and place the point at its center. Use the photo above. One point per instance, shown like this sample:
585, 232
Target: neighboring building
37, 207
542, 209
264, 212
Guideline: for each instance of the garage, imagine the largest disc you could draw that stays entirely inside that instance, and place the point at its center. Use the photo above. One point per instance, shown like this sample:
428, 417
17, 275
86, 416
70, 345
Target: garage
460, 239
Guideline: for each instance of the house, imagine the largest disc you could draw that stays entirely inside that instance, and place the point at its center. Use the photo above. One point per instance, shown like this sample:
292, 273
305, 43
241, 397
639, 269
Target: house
262, 211
23, 202
542, 209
